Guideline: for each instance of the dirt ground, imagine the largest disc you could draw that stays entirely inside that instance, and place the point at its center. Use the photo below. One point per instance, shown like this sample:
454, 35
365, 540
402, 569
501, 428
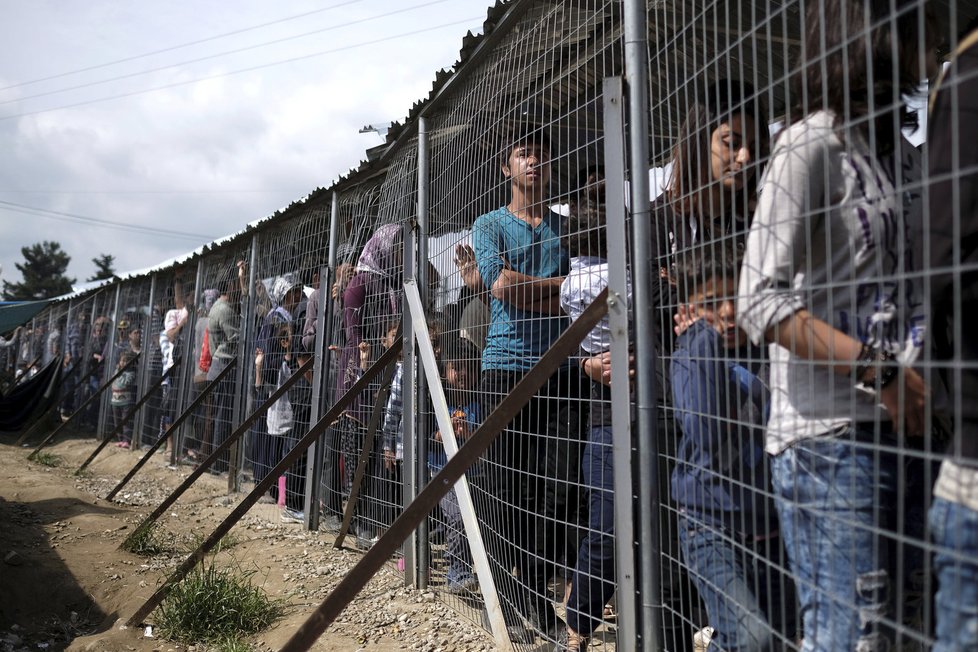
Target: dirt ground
65, 585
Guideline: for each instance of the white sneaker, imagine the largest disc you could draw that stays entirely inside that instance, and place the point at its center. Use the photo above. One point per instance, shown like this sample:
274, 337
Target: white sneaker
292, 515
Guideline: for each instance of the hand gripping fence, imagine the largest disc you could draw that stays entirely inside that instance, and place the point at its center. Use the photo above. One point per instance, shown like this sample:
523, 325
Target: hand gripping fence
173, 427
81, 408
261, 487
566, 345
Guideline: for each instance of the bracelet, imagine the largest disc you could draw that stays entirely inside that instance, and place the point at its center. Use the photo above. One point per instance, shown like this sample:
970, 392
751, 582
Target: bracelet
867, 356
886, 373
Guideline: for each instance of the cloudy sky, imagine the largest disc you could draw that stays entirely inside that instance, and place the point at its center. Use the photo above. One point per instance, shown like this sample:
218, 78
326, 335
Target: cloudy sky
185, 120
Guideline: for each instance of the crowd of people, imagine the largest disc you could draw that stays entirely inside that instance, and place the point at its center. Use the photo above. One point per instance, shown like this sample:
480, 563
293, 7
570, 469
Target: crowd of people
813, 374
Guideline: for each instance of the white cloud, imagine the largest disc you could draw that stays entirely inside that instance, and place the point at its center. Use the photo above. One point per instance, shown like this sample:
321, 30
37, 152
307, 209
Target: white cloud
257, 140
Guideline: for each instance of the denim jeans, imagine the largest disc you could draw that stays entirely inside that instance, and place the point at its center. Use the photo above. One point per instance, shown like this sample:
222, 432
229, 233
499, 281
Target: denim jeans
594, 576
749, 598
954, 528
837, 499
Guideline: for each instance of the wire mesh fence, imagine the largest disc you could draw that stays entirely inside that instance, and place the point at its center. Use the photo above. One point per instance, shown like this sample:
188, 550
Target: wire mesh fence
808, 358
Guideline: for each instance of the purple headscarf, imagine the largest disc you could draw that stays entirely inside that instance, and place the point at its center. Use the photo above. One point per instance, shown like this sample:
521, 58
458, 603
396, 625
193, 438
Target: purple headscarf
379, 255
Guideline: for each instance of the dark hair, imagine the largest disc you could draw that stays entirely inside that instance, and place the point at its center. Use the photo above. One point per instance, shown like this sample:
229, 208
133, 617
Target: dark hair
704, 263
841, 37
692, 173
584, 229
459, 352
126, 357
522, 135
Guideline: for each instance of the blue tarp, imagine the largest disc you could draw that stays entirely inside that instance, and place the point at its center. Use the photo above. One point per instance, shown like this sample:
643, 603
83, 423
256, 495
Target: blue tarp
18, 313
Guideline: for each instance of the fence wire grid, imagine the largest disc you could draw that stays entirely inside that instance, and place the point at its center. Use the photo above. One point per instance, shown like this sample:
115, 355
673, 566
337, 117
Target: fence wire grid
798, 249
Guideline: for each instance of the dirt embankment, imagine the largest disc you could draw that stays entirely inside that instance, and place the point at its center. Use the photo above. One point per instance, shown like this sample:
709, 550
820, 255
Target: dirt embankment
65, 585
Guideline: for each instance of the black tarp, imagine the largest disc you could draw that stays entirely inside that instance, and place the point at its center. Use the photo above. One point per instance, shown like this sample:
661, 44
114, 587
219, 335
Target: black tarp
36, 393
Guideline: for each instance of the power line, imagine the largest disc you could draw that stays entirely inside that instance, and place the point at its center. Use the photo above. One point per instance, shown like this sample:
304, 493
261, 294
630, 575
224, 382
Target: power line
235, 191
219, 54
179, 47
84, 219
239, 71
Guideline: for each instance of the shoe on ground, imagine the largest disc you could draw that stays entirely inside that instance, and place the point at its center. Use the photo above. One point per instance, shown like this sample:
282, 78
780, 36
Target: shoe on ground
521, 634
366, 544
292, 516
463, 584
122, 444
570, 641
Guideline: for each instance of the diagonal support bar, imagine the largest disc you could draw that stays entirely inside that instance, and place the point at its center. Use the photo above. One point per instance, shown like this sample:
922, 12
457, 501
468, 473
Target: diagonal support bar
565, 346
469, 520
39, 419
204, 393
226, 444
81, 408
261, 487
129, 415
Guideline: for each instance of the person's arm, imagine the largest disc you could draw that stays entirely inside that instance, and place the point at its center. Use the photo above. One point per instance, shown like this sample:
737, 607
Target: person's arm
530, 293
771, 310
699, 391
259, 360
522, 291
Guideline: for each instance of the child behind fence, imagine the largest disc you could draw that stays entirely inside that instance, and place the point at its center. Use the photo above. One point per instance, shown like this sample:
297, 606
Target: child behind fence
122, 399
461, 376
721, 481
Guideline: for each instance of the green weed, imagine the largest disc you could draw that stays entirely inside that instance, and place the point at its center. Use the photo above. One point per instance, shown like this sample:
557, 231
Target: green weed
147, 541
216, 605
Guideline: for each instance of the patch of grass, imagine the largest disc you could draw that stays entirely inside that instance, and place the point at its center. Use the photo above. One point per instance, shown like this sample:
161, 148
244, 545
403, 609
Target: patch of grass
147, 541
217, 605
234, 645
228, 541
47, 459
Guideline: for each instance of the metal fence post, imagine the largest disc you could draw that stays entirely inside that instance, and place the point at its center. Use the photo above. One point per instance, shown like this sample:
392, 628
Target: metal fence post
315, 456
246, 360
146, 363
420, 272
645, 461
105, 402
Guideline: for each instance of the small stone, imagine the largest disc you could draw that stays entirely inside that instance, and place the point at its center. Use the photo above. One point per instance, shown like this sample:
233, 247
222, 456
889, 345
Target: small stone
13, 558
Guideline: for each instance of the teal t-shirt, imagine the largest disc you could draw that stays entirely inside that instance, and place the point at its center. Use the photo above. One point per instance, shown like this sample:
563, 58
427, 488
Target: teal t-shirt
516, 338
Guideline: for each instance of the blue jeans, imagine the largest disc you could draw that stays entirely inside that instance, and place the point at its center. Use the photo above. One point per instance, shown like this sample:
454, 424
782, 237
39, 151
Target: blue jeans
594, 575
748, 595
837, 498
954, 528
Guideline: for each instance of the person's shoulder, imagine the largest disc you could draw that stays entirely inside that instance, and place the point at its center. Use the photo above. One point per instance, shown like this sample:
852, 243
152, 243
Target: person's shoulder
491, 218
817, 129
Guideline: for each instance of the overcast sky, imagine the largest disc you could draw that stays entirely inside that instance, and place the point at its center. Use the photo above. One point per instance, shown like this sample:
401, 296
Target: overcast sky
216, 147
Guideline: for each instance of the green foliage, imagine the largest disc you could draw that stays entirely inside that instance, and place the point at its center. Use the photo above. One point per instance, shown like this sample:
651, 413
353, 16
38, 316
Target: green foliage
216, 605
227, 542
43, 272
104, 268
147, 541
47, 459
234, 645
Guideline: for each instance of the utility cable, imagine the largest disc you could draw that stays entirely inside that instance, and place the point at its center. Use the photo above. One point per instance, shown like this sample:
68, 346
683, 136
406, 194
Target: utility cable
84, 219
240, 70
216, 55
178, 47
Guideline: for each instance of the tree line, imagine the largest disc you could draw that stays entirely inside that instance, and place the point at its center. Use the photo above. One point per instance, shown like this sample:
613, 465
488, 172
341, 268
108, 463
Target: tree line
43, 272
